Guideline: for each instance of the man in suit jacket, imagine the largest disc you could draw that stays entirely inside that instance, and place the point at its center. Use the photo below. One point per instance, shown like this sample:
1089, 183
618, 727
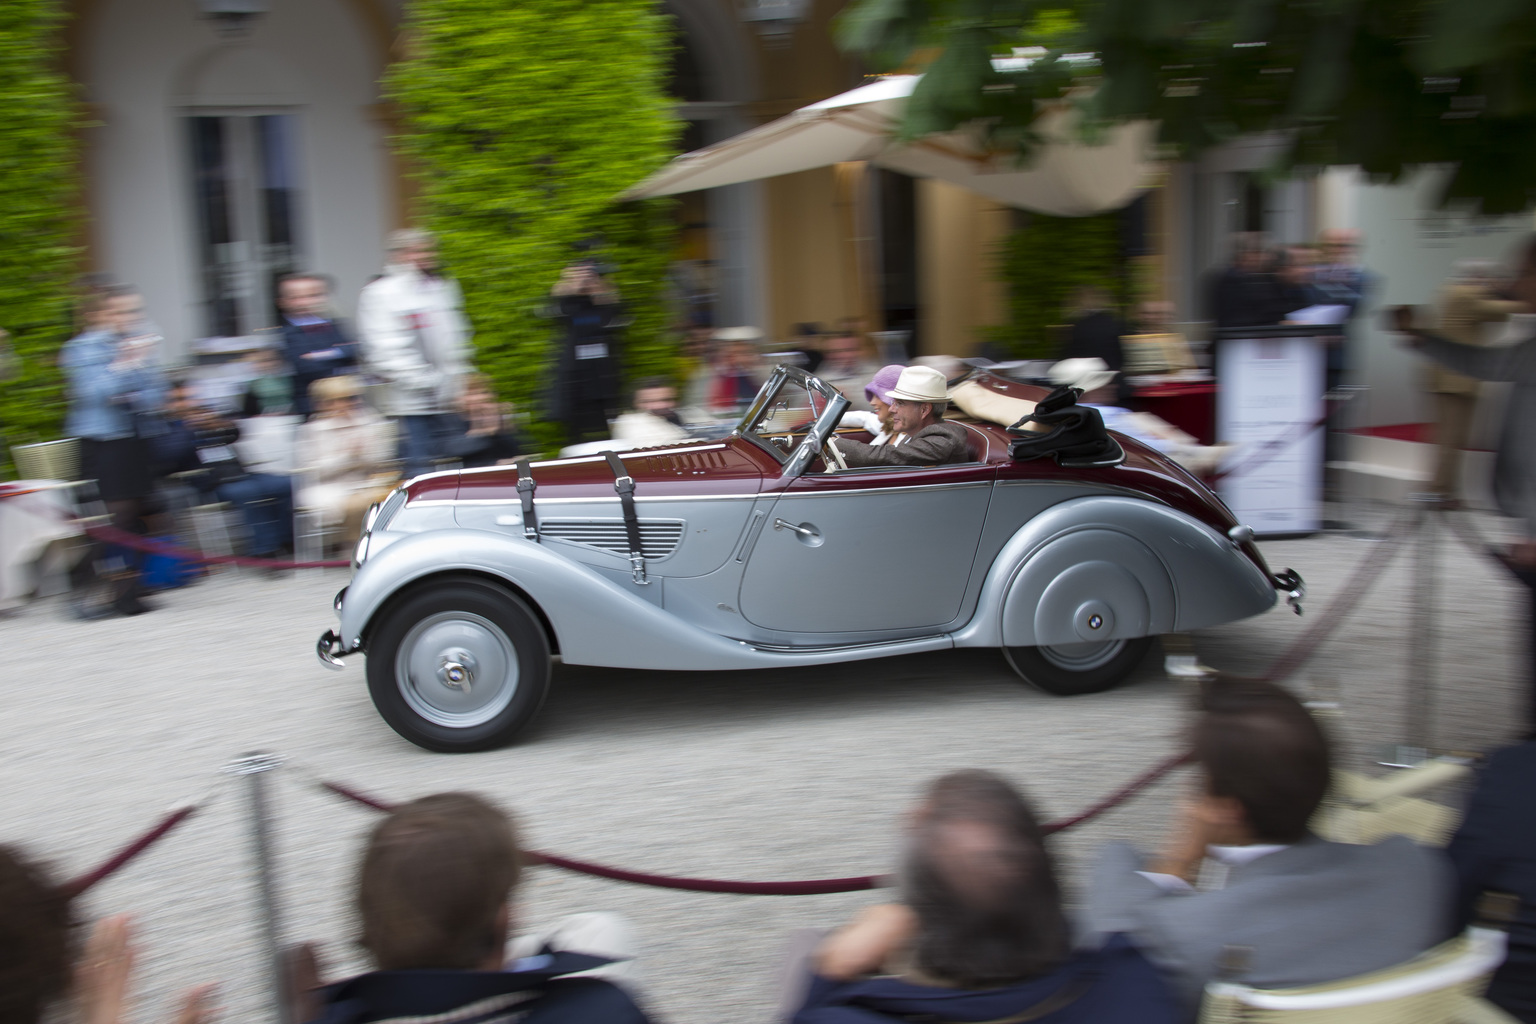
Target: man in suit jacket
1242, 891
922, 437
1495, 851
314, 343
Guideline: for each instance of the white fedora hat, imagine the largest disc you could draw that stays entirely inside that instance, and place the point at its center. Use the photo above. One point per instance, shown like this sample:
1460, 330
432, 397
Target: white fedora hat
1087, 374
920, 384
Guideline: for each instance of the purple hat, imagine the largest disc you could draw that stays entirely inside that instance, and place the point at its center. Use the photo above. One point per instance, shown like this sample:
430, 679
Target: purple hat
880, 386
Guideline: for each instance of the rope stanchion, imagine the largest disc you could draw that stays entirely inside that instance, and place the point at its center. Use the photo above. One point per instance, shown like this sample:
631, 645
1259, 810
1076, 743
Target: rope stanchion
807, 887
75, 886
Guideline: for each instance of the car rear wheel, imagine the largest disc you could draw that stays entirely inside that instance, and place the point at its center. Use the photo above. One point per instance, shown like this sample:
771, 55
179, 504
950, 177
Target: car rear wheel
458, 666
1068, 670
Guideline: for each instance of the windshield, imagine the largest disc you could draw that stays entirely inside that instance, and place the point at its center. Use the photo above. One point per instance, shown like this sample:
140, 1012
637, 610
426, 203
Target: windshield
782, 413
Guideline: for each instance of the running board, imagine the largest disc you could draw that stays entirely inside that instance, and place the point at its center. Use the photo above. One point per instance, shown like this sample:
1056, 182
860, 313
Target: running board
872, 645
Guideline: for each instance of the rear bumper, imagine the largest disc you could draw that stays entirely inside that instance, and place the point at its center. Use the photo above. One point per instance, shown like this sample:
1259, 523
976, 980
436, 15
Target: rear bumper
330, 650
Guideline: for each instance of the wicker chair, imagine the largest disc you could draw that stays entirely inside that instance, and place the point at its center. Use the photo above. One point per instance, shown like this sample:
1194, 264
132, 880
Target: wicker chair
1443, 986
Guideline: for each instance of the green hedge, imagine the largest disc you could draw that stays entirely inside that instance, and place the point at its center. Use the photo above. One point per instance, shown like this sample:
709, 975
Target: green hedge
39, 219
1041, 263
524, 121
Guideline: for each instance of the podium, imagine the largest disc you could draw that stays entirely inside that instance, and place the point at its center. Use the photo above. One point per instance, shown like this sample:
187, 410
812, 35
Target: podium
1269, 400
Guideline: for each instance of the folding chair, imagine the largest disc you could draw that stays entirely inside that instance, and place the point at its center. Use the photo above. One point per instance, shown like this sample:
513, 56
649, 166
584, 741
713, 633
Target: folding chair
1360, 809
1443, 986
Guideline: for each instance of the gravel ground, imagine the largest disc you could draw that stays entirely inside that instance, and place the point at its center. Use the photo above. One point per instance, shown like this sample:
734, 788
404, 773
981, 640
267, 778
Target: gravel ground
758, 775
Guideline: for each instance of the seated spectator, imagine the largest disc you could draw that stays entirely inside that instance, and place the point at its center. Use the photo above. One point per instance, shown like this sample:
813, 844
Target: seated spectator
845, 366
1495, 851
199, 444
878, 393
1097, 383
434, 899
655, 419
482, 433
344, 454
733, 376
271, 391
38, 962
917, 410
313, 341
980, 934
1242, 891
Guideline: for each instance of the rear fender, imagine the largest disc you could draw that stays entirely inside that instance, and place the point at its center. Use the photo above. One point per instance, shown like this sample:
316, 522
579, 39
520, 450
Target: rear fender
1108, 567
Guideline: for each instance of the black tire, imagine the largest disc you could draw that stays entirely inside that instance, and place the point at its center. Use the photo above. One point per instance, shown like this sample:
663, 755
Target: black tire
1076, 669
435, 644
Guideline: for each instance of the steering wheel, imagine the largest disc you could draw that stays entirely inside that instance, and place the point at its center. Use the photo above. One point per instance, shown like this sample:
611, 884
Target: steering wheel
832, 457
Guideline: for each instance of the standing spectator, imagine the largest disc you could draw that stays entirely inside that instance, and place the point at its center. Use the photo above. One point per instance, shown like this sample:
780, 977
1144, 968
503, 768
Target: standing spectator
414, 336
1494, 850
586, 394
1294, 286
1468, 304
115, 391
846, 366
1514, 468
734, 379
343, 456
980, 934
1341, 281
1244, 294
315, 344
1096, 332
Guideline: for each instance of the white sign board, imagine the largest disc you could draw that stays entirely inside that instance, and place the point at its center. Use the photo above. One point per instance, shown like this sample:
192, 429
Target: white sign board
1271, 390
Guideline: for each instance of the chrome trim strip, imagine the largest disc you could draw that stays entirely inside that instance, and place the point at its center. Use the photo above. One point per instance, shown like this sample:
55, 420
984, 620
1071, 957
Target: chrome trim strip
833, 648
885, 490
594, 500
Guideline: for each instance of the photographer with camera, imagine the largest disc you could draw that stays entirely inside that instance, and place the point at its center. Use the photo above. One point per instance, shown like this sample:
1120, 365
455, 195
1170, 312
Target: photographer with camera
586, 388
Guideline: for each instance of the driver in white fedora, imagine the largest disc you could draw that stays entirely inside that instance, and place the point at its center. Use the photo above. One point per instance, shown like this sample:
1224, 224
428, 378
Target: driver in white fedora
917, 410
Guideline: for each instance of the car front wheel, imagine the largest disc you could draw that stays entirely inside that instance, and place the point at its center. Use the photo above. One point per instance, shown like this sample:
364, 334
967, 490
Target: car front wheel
458, 666
1068, 670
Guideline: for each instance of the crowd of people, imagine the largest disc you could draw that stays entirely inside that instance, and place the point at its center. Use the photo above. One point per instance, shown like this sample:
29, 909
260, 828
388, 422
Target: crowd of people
1241, 890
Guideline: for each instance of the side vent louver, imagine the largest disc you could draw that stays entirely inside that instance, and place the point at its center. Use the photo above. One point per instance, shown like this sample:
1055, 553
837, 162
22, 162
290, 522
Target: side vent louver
658, 537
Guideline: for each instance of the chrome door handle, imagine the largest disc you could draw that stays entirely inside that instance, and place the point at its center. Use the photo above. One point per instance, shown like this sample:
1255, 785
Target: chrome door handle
804, 531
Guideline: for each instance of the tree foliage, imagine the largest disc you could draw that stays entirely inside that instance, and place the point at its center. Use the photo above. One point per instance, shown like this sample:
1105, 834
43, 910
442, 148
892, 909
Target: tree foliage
38, 219
1042, 263
524, 122
1388, 85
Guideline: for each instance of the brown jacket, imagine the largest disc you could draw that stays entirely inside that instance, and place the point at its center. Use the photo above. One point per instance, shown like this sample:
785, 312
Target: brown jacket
937, 444
1465, 312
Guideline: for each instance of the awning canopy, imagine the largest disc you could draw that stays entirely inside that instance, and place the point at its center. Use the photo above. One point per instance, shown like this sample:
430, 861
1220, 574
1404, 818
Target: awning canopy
1066, 177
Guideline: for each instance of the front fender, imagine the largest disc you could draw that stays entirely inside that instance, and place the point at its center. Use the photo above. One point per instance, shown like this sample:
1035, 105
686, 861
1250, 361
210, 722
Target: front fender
1105, 567
595, 621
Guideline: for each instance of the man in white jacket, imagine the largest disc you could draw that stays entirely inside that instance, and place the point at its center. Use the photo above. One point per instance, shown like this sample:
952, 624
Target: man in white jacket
415, 337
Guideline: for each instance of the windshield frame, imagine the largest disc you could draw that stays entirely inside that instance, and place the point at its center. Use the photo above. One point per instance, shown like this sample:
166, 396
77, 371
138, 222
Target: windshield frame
835, 403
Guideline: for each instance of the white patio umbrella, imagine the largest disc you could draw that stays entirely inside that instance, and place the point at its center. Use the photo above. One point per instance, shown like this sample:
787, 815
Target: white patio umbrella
1066, 178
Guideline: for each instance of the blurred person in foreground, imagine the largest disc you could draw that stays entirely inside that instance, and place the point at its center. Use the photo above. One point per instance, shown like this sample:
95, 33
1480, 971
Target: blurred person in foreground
434, 899
655, 419
344, 454
116, 388
1242, 891
980, 934
414, 336
483, 433
315, 344
1494, 850
1469, 303
40, 963
1514, 470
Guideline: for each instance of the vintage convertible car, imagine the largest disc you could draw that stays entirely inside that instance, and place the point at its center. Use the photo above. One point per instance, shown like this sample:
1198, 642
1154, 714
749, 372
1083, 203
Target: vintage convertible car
757, 550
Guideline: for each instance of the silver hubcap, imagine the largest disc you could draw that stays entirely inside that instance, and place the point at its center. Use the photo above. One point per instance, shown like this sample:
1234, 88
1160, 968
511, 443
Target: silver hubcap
456, 669
1082, 657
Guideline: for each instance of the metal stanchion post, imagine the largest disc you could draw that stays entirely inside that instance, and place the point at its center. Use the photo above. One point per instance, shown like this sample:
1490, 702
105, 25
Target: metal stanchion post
255, 768
1421, 642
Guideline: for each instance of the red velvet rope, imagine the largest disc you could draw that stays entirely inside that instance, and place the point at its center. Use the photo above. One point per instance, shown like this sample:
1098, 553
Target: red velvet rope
75, 886
808, 887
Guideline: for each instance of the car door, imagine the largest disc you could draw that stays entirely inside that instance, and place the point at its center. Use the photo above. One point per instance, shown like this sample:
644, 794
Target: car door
873, 549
